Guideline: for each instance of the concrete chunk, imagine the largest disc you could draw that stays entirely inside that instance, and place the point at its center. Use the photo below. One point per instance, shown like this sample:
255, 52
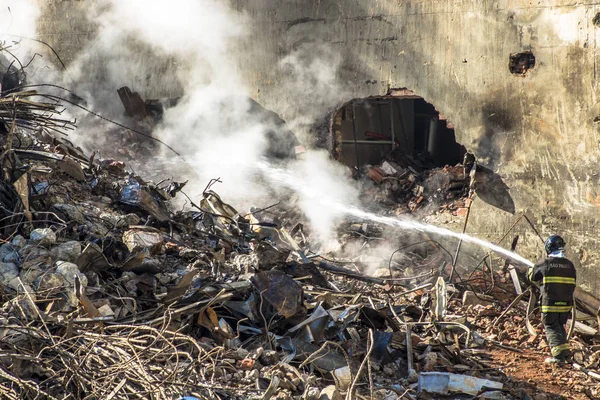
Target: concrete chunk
43, 236
470, 298
5, 250
70, 211
68, 251
330, 393
139, 239
50, 283
69, 270
388, 168
8, 271
12, 257
19, 242
106, 311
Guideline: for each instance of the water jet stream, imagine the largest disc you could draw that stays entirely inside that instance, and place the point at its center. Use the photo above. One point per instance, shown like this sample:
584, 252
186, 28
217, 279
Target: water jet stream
302, 187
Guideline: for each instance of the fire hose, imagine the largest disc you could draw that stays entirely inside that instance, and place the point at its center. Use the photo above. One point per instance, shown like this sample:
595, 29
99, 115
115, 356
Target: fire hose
530, 307
573, 318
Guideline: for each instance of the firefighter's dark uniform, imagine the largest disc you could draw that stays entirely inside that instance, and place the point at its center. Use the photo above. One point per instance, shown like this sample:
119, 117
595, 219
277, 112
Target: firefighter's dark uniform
556, 278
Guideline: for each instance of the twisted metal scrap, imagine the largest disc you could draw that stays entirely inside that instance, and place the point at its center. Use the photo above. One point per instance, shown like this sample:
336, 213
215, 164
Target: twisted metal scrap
21, 109
120, 361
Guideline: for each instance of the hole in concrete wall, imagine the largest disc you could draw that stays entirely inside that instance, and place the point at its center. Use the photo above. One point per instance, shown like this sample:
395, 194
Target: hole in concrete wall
401, 126
520, 63
596, 20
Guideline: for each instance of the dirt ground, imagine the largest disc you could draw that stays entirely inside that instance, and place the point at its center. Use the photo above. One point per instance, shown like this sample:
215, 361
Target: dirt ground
539, 380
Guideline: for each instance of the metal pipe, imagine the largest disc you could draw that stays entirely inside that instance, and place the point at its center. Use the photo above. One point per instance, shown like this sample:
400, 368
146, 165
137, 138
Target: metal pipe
354, 135
573, 319
460, 242
401, 115
367, 141
393, 132
432, 142
586, 371
409, 352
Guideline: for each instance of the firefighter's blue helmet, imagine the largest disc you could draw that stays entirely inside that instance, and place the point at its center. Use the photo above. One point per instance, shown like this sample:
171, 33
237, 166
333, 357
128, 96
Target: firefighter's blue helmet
554, 243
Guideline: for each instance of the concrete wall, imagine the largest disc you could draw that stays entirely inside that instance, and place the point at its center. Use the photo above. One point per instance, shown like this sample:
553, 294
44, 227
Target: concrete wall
538, 131
68, 27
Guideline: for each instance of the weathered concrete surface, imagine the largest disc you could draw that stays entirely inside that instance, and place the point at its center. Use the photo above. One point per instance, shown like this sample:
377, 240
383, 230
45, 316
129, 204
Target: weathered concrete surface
70, 28
538, 132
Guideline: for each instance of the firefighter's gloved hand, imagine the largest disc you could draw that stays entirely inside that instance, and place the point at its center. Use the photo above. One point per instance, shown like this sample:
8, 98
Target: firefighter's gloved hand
536, 284
535, 287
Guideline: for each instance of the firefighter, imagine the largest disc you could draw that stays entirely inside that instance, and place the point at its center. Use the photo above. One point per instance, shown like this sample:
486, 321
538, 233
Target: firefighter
555, 275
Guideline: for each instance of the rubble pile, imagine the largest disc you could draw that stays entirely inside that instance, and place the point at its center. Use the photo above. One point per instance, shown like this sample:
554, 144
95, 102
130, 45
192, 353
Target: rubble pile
409, 190
108, 293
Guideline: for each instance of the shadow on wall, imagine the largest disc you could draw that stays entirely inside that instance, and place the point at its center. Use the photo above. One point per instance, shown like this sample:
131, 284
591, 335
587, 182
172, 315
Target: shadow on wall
498, 122
492, 190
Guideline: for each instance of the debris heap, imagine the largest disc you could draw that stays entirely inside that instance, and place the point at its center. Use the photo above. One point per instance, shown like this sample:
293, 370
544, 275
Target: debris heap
108, 293
408, 190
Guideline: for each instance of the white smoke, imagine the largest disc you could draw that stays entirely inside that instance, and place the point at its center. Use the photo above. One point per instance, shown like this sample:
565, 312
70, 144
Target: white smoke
329, 181
188, 48
17, 22
198, 32
312, 73
18, 19
213, 125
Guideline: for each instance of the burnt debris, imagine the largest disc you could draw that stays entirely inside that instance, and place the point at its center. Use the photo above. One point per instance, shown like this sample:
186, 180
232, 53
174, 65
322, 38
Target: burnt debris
109, 292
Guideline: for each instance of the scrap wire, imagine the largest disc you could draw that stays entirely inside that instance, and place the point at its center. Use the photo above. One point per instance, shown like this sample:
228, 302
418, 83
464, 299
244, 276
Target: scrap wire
28, 114
352, 389
41, 42
97, 115
121, 361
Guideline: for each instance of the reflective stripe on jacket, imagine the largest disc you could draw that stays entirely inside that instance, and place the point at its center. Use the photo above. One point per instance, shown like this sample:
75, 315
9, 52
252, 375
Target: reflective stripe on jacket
556, 277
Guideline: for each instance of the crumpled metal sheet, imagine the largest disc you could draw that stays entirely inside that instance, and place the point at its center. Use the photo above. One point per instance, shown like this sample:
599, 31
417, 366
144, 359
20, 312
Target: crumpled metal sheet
222, 215
341, 319
279, 290
328, 361
312, 329
134, 194
247, 308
